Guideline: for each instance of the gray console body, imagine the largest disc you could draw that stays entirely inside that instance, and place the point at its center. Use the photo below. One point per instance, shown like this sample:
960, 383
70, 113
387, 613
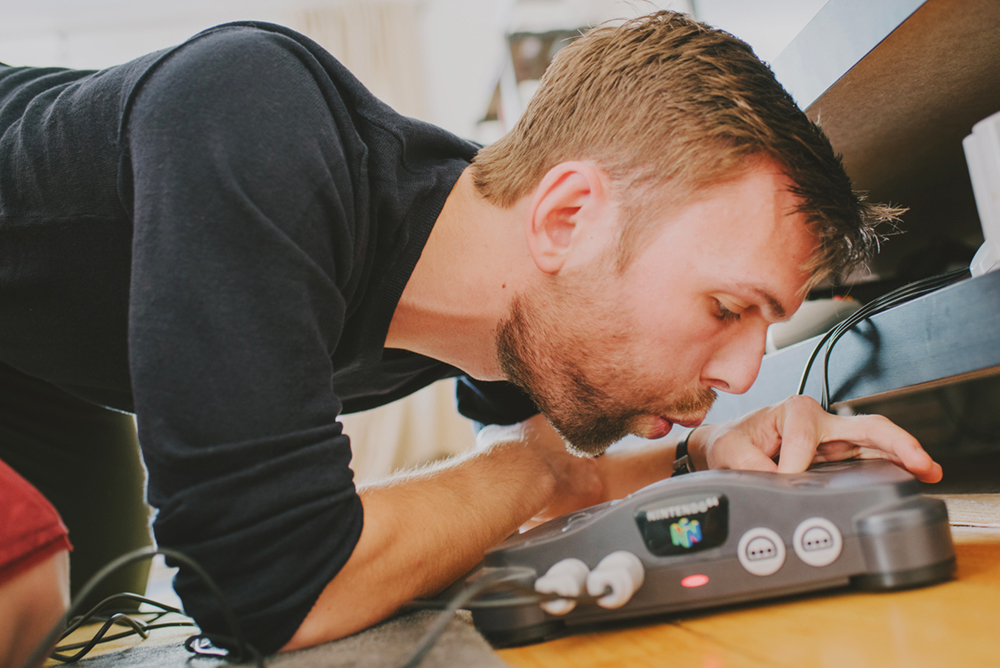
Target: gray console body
890, 536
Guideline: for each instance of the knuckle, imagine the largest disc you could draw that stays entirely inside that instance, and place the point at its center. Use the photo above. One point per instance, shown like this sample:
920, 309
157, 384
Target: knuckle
880, 420
801, 402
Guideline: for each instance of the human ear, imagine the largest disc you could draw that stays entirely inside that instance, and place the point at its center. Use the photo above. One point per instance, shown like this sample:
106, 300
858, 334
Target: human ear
567, 208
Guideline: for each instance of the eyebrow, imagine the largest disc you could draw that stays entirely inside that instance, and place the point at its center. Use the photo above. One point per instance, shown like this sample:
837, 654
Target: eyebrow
777, 310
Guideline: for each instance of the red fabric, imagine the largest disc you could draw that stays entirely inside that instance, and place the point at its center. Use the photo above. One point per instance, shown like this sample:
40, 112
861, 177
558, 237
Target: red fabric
30, 528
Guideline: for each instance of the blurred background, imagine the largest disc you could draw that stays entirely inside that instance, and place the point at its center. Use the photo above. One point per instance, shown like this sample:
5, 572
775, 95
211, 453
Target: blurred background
469, 66
438, 60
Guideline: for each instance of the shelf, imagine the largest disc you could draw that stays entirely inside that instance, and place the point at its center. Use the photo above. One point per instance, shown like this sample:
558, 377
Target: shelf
897, 85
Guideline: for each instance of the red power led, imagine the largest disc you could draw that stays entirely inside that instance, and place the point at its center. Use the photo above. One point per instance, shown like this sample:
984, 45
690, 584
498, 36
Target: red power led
694, 581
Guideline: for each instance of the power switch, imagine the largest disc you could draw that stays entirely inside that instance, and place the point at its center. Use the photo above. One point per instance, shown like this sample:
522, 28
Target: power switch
817, 541
761, 551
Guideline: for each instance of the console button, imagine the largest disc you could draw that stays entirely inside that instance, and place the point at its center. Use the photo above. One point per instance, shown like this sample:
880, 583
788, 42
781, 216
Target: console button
761, 551
817, 541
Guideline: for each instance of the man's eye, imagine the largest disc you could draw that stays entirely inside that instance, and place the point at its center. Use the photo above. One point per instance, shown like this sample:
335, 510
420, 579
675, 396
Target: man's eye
725, 314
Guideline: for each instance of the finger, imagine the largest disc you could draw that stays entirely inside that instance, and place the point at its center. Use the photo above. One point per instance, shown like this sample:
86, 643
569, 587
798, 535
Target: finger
838, 451
878, 433
800, 419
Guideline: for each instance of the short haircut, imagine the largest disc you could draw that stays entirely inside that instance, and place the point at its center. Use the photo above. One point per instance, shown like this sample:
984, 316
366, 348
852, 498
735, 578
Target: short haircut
663, 99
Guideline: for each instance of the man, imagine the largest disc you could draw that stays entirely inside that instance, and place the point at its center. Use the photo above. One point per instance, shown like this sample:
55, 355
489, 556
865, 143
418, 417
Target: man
235, 241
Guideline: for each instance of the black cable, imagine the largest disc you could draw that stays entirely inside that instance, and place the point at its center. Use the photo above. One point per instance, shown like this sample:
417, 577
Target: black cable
529, 595
80, 620
137, 628
104, 614
246, 651
878, 305
875, 306
904, 294
209, 644
111, 617
504, 579
116, 636
437, 628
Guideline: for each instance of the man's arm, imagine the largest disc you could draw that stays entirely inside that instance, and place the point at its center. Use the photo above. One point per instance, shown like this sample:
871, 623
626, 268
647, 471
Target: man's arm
424, 530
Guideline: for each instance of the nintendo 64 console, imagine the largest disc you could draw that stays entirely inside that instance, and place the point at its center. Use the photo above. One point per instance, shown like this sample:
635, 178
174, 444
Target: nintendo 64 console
715, 538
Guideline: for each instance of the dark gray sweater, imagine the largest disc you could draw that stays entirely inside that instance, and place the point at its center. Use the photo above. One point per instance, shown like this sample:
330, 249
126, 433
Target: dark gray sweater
215, 237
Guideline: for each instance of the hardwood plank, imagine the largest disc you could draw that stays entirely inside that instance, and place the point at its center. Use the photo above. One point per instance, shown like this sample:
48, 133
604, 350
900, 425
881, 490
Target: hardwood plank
656, 646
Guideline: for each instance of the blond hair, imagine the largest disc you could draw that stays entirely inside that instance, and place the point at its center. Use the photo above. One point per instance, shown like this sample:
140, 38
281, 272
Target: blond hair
663, 98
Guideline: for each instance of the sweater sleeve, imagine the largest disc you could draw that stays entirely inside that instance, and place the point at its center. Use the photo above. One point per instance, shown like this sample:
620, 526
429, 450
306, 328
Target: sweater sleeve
243, 198
493, 402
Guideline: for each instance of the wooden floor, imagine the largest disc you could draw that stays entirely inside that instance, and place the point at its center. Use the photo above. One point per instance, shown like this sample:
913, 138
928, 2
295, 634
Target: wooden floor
952, 624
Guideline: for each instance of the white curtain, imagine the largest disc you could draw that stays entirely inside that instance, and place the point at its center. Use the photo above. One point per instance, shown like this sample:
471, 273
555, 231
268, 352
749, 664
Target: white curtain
422, 427
379, 41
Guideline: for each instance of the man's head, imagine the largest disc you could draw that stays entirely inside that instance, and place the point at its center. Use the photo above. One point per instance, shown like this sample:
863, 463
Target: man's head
728, 203
668, 106
607, 352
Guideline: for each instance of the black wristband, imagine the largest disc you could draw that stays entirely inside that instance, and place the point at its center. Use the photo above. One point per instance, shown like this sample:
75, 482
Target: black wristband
682, 460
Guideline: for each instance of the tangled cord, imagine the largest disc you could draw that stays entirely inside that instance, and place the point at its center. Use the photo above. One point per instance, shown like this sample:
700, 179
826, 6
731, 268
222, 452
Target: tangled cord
202, 644
112, 618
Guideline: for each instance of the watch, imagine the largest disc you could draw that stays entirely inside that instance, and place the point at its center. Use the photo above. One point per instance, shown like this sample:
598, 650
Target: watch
682, 460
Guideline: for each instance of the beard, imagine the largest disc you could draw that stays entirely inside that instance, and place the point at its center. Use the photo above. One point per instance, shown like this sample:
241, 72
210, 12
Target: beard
548, 354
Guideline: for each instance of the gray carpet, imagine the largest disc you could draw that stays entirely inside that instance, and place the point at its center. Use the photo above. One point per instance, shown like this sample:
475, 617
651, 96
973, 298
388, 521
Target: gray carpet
387, 645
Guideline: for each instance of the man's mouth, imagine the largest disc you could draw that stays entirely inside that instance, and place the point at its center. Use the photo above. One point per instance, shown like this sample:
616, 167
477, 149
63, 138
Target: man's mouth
661, 427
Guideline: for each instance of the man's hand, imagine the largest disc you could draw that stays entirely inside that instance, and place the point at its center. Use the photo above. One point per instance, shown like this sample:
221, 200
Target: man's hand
798, 432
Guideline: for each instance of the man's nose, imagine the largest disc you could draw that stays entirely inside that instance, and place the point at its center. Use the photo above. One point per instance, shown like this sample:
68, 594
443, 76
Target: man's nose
734, 367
